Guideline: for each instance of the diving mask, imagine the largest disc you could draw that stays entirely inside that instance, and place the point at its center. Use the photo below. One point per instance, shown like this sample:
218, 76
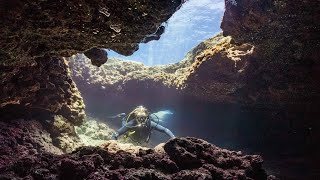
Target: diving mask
141, 117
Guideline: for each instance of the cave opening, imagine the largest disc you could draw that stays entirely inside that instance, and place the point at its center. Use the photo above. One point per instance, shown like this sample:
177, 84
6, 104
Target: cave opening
195, 22
245, 89
191, 30
155, 78
159, 76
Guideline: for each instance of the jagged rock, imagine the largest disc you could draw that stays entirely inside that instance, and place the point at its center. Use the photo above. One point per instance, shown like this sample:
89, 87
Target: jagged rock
35, 28
114, 147
285, 71
93, 132
212, 72
34, 33
67, 143
41, 86
97, 162
286, 38
60, 125
63, 134
97, 56
20, 139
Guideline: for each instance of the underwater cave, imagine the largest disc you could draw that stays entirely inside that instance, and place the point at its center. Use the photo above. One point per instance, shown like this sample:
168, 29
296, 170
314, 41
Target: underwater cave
234, 81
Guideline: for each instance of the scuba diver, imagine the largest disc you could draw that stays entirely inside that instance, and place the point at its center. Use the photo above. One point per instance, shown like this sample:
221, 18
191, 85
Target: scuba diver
139, 124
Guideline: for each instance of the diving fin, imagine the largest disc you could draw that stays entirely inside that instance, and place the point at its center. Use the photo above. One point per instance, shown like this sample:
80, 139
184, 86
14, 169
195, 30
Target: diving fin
118, 115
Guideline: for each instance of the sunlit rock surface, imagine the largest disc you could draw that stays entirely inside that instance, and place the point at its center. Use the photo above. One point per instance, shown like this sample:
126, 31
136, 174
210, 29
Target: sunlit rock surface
182, 158
93, 132
114, 146
212, 72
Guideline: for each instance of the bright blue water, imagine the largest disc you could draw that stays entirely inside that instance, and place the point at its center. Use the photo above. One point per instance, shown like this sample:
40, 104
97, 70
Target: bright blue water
196, 21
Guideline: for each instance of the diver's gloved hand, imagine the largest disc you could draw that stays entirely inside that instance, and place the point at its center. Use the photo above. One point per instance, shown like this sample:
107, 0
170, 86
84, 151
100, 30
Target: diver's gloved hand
115, 136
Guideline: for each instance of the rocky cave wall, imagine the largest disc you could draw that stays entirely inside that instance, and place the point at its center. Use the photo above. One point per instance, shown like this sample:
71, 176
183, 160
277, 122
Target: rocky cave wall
285, 67
42, 86
211, 72
285, 34
34, 35
278, 77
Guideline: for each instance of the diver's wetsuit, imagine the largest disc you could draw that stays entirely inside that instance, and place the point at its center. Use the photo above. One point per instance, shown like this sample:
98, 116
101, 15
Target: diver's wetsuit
143, 131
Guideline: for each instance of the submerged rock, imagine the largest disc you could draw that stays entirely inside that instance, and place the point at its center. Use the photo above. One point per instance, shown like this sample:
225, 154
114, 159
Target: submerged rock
286, 40
41, 87
34, 35
213, 72
97, 56
181, 158
93, 132
21, 139
62, 28
285, 70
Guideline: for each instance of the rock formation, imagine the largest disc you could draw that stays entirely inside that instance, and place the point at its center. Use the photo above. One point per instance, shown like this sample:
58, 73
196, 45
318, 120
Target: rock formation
212, 72
44, 85
36, 28
285, 69
34, 35
20, 139
286, 37
182, 158
93, 132
282, 71
97, 56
